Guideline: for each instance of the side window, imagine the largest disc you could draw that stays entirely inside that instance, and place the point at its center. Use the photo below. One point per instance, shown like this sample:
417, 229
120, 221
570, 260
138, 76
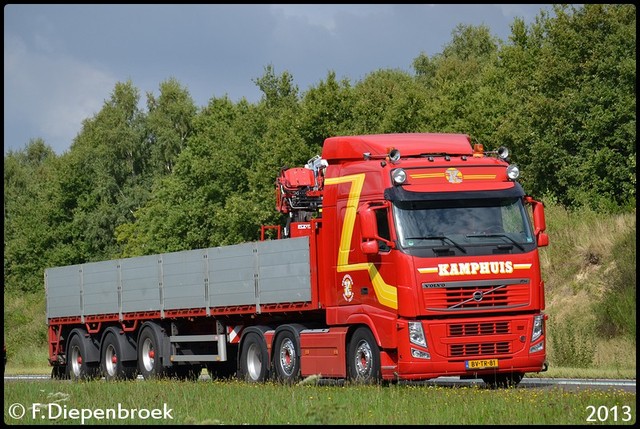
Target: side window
383, 224
382, 220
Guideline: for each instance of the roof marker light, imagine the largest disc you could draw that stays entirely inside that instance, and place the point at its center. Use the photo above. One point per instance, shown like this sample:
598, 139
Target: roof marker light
399, 176
513, 172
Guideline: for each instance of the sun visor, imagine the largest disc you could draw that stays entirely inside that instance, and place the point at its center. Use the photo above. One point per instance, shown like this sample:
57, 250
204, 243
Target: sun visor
400, 194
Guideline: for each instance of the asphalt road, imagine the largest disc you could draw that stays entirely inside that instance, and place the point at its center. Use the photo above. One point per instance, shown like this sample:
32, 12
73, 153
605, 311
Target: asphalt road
569, 384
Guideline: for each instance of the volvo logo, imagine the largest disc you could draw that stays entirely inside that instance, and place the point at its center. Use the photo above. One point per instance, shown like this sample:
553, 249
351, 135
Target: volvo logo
477, 296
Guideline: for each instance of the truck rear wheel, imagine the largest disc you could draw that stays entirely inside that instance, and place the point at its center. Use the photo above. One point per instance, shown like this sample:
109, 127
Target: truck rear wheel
113, 368
254, 360
287, 357
149, 363
77, 367
363, 358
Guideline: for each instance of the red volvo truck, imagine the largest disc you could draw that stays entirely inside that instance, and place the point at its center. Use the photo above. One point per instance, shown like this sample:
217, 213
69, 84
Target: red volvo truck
404, 256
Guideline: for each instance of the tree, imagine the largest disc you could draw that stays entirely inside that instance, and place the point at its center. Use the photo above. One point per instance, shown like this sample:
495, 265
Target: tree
572, 80
169, 124
30, 230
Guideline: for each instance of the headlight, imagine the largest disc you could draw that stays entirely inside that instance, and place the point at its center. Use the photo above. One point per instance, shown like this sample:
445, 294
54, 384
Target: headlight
513, 172
537, 328
416, 334
399, 176
537, 348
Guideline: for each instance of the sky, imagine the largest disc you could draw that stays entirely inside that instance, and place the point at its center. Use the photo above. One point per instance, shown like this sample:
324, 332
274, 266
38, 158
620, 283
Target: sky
62, 62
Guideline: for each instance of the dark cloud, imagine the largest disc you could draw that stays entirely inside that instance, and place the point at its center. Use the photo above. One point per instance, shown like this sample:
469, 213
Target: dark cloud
63, 61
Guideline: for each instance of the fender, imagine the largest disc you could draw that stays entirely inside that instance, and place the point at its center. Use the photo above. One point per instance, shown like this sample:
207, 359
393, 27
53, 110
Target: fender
294, 328
92, 349
127, 344
258, 329
163, 341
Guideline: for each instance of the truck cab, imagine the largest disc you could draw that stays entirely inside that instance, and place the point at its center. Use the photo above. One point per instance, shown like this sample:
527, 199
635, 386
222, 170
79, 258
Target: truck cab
433, 244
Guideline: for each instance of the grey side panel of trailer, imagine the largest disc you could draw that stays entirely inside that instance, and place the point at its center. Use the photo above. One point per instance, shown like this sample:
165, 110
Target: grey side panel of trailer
140, 283
63, 288
232, 275
100, 288
183, 279
284, 272
245, 274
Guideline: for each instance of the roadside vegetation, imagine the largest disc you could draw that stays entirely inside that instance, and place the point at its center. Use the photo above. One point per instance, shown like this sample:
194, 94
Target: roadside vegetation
235, 403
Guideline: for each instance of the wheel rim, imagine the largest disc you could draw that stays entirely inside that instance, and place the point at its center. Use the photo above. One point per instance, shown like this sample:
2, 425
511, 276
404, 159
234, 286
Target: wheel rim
287, 357
148, 355
76, 360
254, 362
363, 359
110, 360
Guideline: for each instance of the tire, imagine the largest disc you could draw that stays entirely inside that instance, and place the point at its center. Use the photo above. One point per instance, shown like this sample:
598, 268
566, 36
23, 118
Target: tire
254, 360
502, 381
149, 362
286, 358
363, 358
113, 368
77, 368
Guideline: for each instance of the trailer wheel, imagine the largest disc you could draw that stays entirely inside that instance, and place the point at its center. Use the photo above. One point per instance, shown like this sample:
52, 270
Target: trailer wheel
113, 368
287, 357
364, 358
77, 368
504, 381
254, 360
149, 363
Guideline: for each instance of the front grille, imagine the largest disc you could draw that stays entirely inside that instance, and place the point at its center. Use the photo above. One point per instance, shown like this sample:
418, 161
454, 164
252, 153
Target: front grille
454, 298
479, 349
485, 328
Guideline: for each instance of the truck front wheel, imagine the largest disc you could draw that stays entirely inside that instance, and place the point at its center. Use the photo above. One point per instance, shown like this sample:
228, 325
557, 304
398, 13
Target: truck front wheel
254, 360
363, 358
113, 368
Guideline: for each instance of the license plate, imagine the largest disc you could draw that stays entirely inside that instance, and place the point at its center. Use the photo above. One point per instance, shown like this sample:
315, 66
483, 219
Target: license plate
481, 363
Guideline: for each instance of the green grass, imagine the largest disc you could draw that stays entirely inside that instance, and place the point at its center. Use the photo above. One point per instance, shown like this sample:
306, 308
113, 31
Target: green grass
237, 403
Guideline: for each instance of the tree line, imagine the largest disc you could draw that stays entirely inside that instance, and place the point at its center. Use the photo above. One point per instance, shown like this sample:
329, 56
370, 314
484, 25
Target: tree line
560, 94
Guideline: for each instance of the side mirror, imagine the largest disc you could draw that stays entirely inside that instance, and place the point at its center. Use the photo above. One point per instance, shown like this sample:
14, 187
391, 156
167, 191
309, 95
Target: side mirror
539, 222
371, 217
543, 239
368, 223
370, 247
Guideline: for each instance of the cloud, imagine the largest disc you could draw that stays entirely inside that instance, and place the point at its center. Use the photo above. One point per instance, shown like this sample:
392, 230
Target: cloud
63, 61
49, 95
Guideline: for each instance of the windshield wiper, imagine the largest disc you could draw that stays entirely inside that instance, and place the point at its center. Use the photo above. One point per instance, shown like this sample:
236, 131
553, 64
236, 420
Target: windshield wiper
438, 237
496, 235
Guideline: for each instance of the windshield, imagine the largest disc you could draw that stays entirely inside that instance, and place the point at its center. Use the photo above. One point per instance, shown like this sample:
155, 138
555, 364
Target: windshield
481, 226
